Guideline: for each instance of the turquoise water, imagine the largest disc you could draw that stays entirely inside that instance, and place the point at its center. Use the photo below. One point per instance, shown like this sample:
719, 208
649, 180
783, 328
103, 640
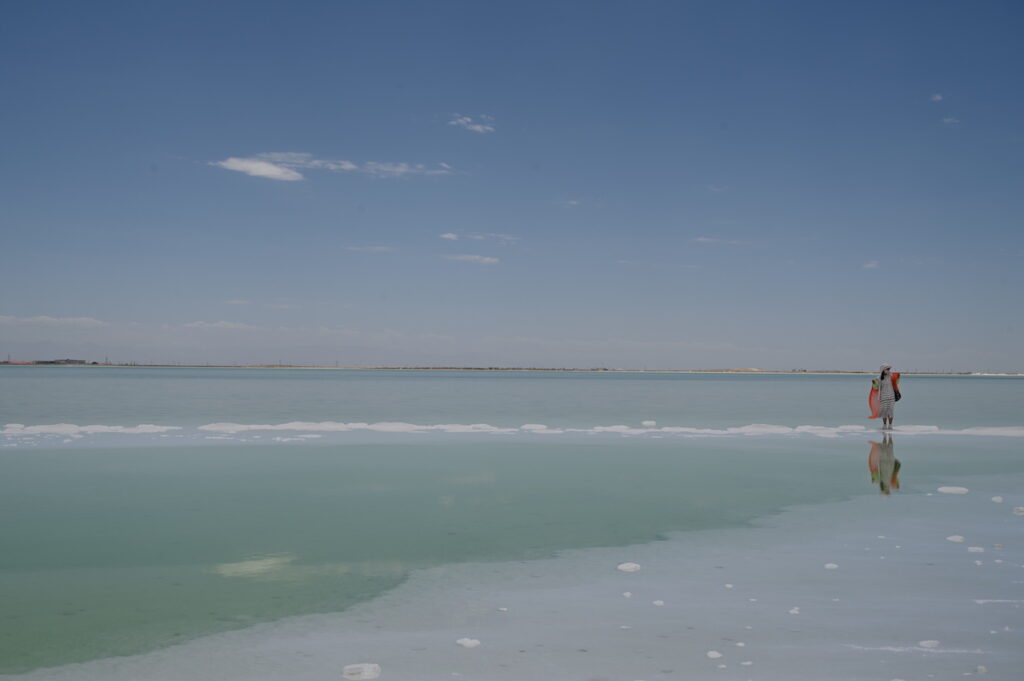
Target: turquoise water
119, 542
193, 397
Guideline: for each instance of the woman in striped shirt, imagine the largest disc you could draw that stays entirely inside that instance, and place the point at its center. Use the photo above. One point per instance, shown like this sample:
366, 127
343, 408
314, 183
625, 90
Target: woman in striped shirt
888, 384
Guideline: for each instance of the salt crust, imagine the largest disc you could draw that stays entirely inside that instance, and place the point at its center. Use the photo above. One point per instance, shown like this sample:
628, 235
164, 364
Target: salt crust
361, 671
568, 606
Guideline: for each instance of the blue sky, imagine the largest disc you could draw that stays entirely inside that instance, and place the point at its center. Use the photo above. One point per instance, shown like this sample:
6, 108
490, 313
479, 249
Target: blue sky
579, 184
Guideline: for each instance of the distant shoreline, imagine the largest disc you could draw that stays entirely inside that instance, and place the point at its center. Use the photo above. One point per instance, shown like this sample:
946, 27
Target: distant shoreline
742, 371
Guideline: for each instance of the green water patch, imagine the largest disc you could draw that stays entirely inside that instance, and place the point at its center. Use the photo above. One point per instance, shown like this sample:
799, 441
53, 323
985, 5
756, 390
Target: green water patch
118, 551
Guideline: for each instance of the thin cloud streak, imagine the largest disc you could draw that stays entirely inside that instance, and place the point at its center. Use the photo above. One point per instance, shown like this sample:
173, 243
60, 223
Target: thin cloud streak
479, 259
482, 126
502, 239
285, 166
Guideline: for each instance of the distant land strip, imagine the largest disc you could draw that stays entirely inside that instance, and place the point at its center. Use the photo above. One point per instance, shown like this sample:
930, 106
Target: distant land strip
744, 370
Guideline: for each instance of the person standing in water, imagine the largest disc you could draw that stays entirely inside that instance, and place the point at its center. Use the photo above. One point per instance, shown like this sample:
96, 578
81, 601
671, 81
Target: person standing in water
888, 389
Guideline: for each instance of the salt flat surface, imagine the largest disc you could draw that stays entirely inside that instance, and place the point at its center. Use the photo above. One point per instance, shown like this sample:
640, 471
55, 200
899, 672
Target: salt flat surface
871, 588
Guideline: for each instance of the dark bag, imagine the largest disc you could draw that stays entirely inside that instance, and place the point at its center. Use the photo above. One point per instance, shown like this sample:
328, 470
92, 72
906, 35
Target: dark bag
896, 393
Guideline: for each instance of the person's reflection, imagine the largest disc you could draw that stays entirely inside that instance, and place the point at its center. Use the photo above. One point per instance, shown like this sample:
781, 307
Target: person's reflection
884, 466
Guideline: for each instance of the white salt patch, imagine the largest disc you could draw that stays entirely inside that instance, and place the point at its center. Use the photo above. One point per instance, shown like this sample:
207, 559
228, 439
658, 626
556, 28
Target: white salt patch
794, 611
722, 666
831, 566
728, 586
981, 669
468, 642
648, 424
746, 663
359, 672
955, 538
928, 644
978, 562
998, 500
714, 654
741, 644
628, 567
1018, 510
659, 603
975, 549
953, 490
627, 594
502, 609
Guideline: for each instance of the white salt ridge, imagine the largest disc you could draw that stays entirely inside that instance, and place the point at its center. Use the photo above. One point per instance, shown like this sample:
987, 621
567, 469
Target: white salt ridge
72, 430
928, 644
713, 654
628, 567
649, 428
1018, 510
468, 642
997, 500
955, 538
976, 549
953, 490
831, 566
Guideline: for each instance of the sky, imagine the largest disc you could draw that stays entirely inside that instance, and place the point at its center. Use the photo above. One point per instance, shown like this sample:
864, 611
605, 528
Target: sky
636, 185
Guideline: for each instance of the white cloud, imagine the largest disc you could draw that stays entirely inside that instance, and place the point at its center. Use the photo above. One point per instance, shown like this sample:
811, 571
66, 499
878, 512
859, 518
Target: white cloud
951, 120
483, 125
480, 259
259, 168
43, 320
370, 249
871, 265
285, 165
217, 325
451, 236
378, 169
937, 97
571, 203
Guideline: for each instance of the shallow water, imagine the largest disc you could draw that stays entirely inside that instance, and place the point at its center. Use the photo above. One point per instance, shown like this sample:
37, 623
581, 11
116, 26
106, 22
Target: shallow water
125, 542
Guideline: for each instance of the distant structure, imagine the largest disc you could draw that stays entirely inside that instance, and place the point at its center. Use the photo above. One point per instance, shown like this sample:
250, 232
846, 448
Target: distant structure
60, 361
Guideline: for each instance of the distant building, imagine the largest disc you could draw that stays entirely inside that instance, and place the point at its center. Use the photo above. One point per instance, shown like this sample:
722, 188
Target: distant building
60, 361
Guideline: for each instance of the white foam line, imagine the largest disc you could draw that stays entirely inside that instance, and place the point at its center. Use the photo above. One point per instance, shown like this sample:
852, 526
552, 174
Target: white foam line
986, 601
917, 649
310, 429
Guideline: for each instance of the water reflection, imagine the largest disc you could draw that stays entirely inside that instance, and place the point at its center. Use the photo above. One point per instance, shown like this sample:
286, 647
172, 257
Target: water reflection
884, 466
